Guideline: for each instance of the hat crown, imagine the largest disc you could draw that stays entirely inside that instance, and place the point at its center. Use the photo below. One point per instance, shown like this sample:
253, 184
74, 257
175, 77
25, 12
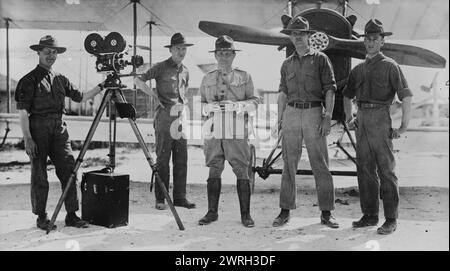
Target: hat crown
48, 40
373, 26
177, 38
224, 42
298, 23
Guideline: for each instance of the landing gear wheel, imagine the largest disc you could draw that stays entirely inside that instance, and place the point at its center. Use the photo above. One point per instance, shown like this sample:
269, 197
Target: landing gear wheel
251, 167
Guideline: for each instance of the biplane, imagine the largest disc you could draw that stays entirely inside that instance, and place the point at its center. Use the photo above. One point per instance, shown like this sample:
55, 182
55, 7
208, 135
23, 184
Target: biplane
337, 38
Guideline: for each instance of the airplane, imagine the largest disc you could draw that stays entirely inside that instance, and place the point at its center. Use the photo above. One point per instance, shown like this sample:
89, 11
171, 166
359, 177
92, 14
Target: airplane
339, 41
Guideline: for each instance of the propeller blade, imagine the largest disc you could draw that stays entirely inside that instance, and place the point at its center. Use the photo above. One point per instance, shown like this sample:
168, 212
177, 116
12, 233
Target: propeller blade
413, 56
403, 54
244, 33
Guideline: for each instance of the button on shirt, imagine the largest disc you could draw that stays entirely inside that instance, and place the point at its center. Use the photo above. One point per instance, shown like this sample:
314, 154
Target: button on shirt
377, 80
171, 81
307, 78
43, 92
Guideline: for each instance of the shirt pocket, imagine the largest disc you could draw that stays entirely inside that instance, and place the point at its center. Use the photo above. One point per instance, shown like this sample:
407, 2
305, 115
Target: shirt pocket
42, 97
170, 79
58, 89
312, 81
212, 92
378, 79
238, 90
291, 83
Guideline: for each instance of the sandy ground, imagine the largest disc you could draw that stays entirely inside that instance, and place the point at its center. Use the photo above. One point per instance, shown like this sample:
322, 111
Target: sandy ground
422, 168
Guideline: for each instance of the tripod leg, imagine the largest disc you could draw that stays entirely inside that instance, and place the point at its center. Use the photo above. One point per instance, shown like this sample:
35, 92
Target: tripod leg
73, 175
153, 167
150, 161
349, 135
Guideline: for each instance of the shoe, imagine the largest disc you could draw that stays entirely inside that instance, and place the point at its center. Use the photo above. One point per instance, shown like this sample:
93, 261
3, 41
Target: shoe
281, 219
208, 218
72, 220
42, 222
247, 221
184, 203
329, 221
160, 205
366, 221
388, 227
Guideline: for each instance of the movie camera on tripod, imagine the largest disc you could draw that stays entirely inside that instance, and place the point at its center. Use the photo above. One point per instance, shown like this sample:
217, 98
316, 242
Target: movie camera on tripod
105, 193
109, 52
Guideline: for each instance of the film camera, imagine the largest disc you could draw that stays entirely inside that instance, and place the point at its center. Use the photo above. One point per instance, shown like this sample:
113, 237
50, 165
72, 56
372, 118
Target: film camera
110, 60
109, 52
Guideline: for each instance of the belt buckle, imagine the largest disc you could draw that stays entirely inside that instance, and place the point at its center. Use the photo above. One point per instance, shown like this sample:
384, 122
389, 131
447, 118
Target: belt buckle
302, 105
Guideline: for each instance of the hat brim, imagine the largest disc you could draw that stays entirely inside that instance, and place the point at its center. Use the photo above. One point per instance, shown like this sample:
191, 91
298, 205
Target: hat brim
185, 44
289, 31
37, 47
384, 34
234, 50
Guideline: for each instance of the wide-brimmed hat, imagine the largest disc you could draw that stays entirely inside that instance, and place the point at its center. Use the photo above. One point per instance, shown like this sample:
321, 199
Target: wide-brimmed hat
298, 23
374, 27
50, 42
178, 39
224, 43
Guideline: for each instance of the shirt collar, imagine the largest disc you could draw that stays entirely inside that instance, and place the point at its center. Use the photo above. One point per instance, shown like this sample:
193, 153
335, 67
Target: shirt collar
172, 63
42, 69
375, 58
308, 53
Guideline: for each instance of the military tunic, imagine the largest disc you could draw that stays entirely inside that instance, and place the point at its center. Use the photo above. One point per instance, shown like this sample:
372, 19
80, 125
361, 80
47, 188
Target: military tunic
226, 138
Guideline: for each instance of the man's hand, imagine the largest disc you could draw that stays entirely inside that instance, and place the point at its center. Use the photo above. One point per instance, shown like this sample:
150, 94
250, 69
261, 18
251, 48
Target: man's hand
30, 147
143, 68
325, 126
395, 133
158, 102
352, 123
227, 105
211, 107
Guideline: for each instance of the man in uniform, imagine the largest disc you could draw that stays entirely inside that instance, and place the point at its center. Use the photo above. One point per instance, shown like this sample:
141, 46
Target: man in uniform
374, 83
40, 100
172, 79
227, 93
307, 82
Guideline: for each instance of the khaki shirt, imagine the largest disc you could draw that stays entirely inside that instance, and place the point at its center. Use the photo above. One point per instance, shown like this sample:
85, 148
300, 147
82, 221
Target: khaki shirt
377, 80
172, 82
307, 78
237, 86
42, 92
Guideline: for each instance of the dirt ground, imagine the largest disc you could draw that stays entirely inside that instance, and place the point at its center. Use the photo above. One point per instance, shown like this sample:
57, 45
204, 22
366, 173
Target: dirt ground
423, 214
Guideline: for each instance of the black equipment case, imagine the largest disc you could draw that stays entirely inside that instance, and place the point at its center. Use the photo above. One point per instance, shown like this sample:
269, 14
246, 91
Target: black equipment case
104, 198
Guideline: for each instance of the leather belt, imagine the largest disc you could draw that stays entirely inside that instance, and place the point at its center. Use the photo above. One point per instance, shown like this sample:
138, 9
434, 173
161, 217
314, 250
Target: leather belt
367, 105
47, 115
305, 105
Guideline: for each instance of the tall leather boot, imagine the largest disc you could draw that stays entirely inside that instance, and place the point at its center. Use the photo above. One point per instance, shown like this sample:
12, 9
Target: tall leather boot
243, 189
213, 187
